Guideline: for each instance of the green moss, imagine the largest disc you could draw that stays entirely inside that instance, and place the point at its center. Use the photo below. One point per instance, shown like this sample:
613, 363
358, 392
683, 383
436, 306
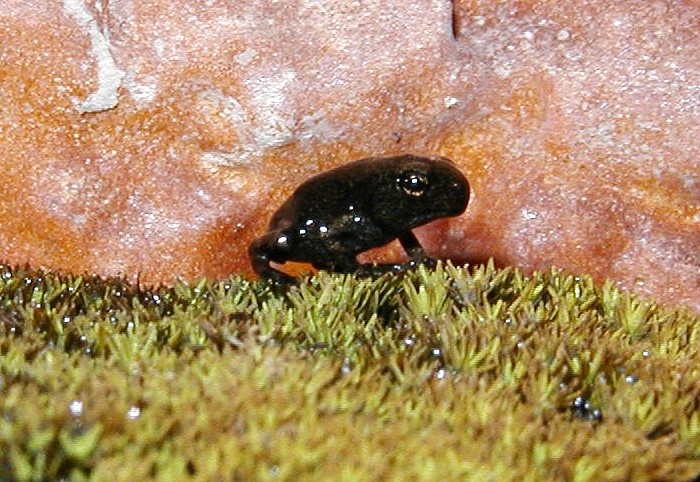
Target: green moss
451, 374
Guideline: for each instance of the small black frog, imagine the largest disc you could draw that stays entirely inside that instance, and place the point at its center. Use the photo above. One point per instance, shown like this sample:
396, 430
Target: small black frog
335, 215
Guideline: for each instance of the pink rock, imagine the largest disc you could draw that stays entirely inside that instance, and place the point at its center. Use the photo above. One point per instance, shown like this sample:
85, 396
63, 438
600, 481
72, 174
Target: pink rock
155, 138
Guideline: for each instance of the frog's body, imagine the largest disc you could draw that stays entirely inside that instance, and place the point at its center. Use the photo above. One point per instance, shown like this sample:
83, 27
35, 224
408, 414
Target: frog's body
334, 216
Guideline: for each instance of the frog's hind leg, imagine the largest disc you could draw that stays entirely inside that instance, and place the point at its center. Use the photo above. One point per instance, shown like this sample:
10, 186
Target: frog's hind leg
338, 264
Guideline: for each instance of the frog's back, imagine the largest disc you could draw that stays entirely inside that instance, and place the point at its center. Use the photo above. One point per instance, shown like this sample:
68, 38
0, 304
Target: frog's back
328, 195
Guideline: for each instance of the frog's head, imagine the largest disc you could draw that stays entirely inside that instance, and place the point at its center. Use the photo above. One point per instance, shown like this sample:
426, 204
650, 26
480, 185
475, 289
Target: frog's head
412, 191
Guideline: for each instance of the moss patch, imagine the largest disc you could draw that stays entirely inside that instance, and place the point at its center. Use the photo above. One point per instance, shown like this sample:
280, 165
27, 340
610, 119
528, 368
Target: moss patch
443, 374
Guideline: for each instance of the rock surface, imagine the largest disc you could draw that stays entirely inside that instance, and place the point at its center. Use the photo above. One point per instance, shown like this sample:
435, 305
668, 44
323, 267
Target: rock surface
154, 139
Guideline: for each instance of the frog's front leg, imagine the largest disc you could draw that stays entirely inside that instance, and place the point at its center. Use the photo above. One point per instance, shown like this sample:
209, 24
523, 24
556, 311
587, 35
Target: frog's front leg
413, 249
266, 249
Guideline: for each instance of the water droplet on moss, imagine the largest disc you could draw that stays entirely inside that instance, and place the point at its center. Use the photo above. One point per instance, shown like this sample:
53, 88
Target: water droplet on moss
76, 408
134, 412
346, 368
581, 407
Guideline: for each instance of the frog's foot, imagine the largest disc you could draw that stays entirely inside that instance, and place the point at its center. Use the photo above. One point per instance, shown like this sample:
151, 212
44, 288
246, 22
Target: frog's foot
280, 283
375, 270
426, 261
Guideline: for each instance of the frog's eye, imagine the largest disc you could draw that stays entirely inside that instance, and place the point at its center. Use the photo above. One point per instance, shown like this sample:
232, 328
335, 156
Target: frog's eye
413, 183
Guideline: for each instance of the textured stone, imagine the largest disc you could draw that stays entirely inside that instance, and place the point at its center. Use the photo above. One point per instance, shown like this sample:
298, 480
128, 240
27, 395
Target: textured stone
155, 138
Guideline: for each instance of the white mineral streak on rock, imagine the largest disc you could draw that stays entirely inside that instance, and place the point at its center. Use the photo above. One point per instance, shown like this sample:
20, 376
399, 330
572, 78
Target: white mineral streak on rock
227, 166
109, 76
274, 109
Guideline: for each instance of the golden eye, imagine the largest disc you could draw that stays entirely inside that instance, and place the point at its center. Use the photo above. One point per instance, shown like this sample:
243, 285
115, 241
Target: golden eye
413, 183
